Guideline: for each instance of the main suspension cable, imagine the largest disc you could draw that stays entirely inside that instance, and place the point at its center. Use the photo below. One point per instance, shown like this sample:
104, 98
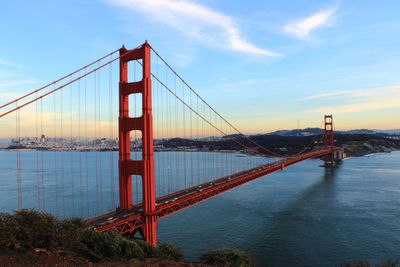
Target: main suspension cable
219, 115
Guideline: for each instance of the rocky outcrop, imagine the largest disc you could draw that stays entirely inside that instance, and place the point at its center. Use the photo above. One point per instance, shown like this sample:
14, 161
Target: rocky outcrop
360, 148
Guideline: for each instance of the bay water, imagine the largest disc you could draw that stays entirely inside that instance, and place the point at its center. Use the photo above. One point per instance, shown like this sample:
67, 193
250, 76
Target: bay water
305, 215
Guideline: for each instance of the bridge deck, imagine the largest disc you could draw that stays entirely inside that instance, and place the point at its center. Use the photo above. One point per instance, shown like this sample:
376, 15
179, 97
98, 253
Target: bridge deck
130, 220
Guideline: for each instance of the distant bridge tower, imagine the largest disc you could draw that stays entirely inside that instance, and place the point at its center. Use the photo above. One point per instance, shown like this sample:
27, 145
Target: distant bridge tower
144, 167
329, 141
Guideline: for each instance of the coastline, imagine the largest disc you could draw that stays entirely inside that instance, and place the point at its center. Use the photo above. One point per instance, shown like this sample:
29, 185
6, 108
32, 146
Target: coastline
349, 151
355, 145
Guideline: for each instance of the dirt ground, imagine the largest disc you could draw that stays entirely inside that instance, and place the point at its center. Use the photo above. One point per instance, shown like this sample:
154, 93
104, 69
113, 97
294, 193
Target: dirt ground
60, 260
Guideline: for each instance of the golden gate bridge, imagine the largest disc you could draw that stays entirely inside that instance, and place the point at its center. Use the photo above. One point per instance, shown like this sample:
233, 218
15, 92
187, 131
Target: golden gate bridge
77, 113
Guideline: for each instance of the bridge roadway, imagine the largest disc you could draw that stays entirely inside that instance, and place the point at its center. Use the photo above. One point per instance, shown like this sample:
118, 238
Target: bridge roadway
132, 220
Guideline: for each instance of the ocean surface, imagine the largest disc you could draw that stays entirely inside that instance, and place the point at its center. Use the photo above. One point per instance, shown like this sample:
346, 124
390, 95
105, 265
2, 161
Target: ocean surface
304, 215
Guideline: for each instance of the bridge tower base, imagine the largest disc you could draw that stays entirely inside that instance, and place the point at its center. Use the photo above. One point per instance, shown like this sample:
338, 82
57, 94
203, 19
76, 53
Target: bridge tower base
144, 123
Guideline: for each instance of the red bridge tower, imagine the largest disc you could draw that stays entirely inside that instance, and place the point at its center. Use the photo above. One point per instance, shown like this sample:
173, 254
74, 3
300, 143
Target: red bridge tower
329, 141
144, 167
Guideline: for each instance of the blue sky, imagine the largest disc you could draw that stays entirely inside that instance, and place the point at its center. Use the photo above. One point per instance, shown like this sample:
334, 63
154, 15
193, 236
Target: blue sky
265, 65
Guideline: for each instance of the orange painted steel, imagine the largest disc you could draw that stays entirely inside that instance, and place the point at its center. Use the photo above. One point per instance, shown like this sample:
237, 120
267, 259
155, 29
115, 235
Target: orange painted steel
125, 222
142, 218
144, 167
328, 141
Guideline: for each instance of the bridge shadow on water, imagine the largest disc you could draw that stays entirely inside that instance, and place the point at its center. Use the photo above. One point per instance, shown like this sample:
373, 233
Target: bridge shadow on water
302, 233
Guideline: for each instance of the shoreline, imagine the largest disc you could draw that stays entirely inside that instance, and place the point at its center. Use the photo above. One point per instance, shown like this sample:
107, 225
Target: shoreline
238, 153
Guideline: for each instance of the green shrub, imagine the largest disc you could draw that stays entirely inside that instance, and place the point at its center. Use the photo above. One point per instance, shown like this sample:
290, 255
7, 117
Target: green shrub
148, 249
9, 229
29, 229
227, 257
109, 245
69, 233
389, 263
169, 252
355, 264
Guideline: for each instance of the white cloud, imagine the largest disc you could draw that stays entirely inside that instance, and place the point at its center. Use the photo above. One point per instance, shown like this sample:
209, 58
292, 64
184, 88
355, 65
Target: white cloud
16, 83
339, 94
359, 107
182, 59
363, 99
6, 74
196, 21
10, 64
304, 27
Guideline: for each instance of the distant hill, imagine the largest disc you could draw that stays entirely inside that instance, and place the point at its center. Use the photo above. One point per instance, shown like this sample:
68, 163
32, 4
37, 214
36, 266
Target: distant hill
298, 132
358, 131
232, 136
392, 131
314, 131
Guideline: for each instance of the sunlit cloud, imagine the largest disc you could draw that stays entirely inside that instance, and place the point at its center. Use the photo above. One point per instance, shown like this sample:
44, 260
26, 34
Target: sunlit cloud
33, 122
198, 22
304, 27
8, 96
10, 64
364, 99
16, 83
386, 103
182, 60
339, 94
7, 74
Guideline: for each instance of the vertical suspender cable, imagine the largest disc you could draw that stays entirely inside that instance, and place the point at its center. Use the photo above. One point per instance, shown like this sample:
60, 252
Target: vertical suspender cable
184, 138
86, 153
80, 149
100, 139
41, 155
37, 155
95, 145
70, 152
191, 141
55, 155
111, 136
18, 156
62, 153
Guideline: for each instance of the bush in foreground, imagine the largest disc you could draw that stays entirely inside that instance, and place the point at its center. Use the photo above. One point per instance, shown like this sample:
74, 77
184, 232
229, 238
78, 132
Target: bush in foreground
168, 251
27, 230
389, 263
30, 230
226, 257
108, 246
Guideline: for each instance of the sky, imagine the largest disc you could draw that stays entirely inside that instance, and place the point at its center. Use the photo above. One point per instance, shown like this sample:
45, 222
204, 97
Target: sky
264, 65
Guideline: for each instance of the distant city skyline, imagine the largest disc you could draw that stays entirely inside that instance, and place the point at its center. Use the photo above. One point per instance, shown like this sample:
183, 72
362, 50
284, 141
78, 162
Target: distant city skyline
275, 65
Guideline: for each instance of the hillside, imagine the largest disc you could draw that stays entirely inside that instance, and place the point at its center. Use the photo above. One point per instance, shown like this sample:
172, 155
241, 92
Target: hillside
354, 144
34, 238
